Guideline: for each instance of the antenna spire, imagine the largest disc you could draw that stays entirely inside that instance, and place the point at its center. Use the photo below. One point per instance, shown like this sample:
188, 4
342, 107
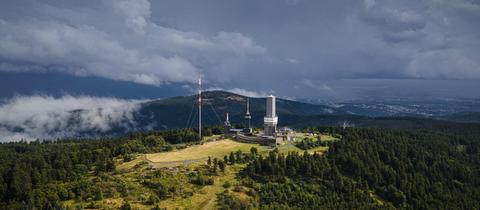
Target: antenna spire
200, 107
248, 118
248, 106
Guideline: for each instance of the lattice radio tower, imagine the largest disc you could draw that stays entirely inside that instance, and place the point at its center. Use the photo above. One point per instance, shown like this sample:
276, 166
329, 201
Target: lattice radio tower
200, 107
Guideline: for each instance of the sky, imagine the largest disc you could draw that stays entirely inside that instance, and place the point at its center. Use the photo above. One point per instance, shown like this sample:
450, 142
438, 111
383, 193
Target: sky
107, 56
335, 50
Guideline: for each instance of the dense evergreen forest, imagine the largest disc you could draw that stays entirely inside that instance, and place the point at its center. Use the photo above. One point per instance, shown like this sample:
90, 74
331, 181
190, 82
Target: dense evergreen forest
437, 168
374, 168
41, 174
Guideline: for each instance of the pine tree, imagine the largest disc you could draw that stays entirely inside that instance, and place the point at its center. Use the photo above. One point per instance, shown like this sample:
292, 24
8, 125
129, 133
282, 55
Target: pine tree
221, 165
254, 151
239, 156
215, 165
231, 158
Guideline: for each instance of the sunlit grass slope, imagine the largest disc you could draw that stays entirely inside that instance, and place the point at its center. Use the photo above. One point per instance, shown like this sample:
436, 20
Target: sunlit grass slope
213, 149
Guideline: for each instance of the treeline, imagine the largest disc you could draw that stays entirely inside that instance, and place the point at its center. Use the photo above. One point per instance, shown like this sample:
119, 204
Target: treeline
373, 168
177, 136
308, 143
29, 173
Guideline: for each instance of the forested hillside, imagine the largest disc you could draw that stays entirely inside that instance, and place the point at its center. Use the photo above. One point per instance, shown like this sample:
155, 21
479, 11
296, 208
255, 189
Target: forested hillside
43, 174
367, 168
373, 168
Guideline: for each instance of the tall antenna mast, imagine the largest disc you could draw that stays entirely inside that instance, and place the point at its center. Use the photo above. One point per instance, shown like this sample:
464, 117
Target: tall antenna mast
200, 107
248, 117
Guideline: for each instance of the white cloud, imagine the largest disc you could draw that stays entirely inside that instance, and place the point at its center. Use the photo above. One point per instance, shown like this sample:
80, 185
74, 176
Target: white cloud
117, 40
317, 87
238, 43
244, 92
136, 13
250, 93
292, 60
369, 3
47, 117
86, 51
292, 2
443, 64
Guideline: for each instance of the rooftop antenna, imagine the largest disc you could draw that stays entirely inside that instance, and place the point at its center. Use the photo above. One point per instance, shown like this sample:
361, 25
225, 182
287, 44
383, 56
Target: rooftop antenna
248, 106
200, 107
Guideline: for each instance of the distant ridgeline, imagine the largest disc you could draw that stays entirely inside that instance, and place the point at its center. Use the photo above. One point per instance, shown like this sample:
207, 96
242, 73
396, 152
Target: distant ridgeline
434, 168
176, 112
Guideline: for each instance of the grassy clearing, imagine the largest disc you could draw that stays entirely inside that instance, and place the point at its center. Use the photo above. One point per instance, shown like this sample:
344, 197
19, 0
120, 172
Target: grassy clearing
205, 198
216, 149
323, 137
290, 147
318, 150
130, 164
298, 137
328, 137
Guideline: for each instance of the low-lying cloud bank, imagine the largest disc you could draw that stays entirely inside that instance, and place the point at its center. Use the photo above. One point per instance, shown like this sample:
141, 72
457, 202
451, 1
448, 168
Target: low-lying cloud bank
46, 117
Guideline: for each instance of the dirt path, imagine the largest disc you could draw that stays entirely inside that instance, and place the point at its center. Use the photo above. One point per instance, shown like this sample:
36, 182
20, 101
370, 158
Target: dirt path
209, 204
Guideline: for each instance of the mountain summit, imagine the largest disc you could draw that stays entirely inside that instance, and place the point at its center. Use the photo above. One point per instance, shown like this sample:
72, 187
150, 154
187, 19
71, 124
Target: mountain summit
178, 111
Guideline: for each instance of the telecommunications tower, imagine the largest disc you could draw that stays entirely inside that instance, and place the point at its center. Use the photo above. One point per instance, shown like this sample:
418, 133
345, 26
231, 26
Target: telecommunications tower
248, 118
270, 120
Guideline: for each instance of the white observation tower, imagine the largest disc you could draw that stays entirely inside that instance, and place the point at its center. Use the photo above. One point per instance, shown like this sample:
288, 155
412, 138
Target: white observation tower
270, 121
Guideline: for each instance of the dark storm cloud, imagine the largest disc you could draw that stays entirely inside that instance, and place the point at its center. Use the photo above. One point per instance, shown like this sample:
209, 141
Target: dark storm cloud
346, 39
270, 45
